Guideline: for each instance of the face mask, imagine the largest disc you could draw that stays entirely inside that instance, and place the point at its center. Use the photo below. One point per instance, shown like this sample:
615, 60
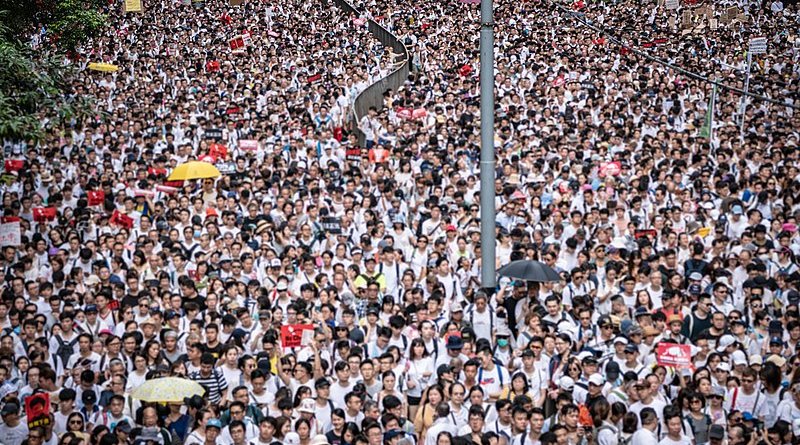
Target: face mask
290, 277
502, 342
197, 234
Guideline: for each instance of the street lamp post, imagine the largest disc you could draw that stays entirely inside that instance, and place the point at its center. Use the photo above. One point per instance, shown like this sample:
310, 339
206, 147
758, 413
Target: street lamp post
488, 277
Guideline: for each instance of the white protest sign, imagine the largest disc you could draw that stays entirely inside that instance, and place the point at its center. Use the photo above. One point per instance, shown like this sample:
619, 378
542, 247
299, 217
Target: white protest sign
758, 45
671, 4
10, 234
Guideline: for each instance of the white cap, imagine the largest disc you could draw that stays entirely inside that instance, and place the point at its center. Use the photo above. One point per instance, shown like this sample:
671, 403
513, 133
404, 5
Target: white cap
597, 379
566, 383
291, 438
725, 341
621, 339
738, 358
756, 359
307, 406
724, 366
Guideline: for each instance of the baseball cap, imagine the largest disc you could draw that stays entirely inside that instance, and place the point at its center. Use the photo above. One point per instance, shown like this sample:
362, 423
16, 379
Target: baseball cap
215, 423
291, 438
566, 383
282, 285
10, 408
738, 358
725, 341
307, 406
612, 370
596, 379
322, 383
454, 342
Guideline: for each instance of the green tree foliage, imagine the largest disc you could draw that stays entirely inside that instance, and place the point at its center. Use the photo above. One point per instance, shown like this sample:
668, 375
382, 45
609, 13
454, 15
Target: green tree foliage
35, 83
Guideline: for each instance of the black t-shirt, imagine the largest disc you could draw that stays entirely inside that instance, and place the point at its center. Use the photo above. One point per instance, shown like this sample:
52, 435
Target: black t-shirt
216, 351
201, 302
333, 439
129, 301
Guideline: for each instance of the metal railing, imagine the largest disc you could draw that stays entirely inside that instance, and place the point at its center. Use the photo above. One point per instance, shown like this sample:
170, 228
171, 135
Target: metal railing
372, 96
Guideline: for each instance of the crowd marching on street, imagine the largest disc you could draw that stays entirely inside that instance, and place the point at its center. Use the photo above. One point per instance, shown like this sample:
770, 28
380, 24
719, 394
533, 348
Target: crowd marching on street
323, 287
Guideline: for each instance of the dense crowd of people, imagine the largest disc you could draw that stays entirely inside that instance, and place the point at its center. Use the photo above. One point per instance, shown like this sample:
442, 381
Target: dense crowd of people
676, 319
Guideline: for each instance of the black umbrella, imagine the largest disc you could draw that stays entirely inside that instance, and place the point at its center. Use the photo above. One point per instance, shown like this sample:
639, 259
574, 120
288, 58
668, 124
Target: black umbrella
529, 270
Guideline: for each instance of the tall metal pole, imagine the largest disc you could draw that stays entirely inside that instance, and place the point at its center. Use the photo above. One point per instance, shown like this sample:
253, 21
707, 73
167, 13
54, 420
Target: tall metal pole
488, 277
743, 107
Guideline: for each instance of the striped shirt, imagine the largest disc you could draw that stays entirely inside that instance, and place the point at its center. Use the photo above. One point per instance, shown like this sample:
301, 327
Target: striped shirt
214, 384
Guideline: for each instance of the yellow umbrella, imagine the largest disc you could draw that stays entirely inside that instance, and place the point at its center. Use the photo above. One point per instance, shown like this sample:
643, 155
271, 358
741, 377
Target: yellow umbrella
194, 170
104, 67
167, 389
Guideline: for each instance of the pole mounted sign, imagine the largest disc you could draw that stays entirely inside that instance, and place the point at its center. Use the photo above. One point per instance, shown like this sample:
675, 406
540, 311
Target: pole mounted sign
758, 45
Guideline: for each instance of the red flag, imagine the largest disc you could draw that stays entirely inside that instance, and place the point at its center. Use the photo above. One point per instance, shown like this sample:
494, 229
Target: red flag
599, 41
96, 197
419, 113
624, 51
44, 214
315, 78
13, 165
578, 5
226, 19
121, 219
9, 219
403, 113
465, 70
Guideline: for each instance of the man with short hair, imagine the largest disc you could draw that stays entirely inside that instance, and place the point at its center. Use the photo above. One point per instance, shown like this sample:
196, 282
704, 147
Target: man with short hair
443, 423
211, 379
646, 435
12, 430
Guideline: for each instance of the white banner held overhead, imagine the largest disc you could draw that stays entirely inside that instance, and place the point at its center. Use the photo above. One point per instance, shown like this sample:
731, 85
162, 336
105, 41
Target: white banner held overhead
671, 4
10, 234
758, 45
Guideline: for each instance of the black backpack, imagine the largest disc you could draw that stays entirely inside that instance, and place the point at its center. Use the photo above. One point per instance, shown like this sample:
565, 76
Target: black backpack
65, 350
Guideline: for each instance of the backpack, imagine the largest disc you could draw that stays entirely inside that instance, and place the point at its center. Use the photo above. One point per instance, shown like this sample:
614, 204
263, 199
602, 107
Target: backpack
65, 350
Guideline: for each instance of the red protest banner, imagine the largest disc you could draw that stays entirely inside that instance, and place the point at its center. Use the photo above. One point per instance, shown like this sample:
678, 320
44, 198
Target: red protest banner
13, 165
403, 113
674, 355
292, 335
121, 219
44, 214
236, 43
95, 197
37, 409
